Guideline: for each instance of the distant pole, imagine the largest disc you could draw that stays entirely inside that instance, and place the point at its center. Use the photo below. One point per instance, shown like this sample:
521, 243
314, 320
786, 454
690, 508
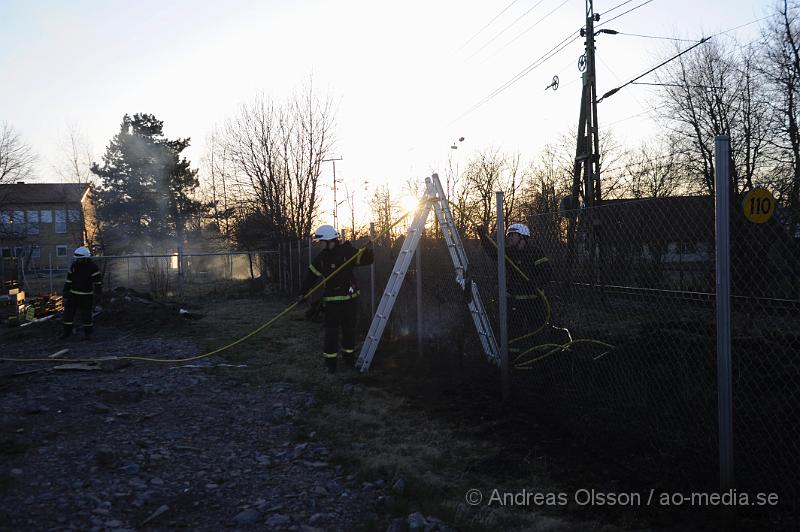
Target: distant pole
723, 260
502, 297
335, 206
50, 264
372, 271
335, 202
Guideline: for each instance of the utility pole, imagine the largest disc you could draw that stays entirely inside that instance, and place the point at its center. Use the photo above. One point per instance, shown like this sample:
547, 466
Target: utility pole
335, 202
586, 171
586, 174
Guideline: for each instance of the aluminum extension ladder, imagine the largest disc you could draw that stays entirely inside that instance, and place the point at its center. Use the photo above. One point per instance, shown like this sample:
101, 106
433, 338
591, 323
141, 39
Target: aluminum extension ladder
436, 198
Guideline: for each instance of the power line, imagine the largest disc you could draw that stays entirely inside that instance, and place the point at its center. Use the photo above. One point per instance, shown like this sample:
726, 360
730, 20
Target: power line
741, 26
637, 78
634, 8
655, 37
677, 85
701, 41
642, 113
617, 7
640, 163
487, 25
479, 50
525, 71
509, 43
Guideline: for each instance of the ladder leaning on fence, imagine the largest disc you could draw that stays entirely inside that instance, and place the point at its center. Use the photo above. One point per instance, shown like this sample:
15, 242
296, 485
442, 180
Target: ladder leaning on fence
435, 198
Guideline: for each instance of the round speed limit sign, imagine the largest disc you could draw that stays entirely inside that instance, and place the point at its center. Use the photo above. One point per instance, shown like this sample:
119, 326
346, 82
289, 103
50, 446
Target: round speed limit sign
758, 205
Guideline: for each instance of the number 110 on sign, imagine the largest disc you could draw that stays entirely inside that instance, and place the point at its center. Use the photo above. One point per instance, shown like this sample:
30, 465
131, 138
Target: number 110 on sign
758, 205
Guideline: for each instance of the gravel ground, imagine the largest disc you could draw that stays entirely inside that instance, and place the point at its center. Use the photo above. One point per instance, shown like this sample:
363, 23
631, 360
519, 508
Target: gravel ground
133, 446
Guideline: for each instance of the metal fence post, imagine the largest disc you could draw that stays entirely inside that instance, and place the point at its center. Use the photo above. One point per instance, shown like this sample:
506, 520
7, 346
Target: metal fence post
418, 265
372, 273
724, 382
291, 272
502, 297
280, 267
180, 271
299, 265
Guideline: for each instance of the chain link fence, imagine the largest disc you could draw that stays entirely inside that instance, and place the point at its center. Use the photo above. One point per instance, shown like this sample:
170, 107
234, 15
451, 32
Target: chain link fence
620, 348
183, 274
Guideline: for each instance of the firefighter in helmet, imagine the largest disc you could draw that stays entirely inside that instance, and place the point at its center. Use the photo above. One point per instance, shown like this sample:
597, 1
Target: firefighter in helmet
528, 275
84, 281
340, 293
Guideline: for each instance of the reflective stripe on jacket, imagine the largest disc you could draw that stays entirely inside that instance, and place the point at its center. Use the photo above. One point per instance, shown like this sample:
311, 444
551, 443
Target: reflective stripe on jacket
342, 286
83, 277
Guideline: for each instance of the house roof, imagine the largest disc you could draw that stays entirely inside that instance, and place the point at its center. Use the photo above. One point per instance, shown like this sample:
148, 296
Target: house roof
667, 219
27, 193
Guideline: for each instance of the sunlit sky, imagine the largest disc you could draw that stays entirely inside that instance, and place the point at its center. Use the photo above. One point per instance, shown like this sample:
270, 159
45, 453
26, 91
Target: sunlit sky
399, 72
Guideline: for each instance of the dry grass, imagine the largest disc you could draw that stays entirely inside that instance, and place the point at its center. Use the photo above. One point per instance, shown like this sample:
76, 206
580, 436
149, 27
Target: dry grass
377, 426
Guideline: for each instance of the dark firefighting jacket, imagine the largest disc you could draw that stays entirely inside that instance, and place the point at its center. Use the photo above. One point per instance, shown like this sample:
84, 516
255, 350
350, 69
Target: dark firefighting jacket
341, 286
84, 278
528, 270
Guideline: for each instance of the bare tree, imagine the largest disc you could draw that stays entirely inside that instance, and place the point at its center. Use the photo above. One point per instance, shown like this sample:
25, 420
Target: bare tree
459, 193
490, 171
350, 198
384, 212
712, 91
549, 178
780, 65
276, 150
653, 171
75, 159
16, 156
219, 187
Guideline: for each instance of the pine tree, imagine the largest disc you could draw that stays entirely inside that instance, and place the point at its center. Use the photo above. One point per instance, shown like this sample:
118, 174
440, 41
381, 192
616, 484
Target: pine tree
146, 186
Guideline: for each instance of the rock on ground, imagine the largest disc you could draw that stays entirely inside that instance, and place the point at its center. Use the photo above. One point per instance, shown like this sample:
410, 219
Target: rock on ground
162, 447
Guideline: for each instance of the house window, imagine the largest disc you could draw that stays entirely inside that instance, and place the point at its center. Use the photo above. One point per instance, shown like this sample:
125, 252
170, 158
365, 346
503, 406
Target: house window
33, 222
5, 252
47, 217
36, 252
74, 216
689, 248
18, 251
61, 221
61, 251
18, 223
5, 220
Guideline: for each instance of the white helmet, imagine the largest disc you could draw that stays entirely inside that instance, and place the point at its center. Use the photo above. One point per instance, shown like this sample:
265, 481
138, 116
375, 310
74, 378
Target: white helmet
82, 253
519, 228
325, 232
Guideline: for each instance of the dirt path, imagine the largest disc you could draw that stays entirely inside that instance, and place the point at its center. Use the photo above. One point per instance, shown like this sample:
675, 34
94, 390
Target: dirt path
163, 447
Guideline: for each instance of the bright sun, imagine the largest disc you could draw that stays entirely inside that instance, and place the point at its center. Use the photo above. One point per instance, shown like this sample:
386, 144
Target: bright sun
409, 204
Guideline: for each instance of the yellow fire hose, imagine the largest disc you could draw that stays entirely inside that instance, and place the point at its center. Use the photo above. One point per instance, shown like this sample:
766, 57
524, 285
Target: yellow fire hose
554, 348
548, 314
225, 347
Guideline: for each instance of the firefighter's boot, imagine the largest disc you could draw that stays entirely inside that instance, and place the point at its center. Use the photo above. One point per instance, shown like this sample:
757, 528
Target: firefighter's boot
348, 358
330, 364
